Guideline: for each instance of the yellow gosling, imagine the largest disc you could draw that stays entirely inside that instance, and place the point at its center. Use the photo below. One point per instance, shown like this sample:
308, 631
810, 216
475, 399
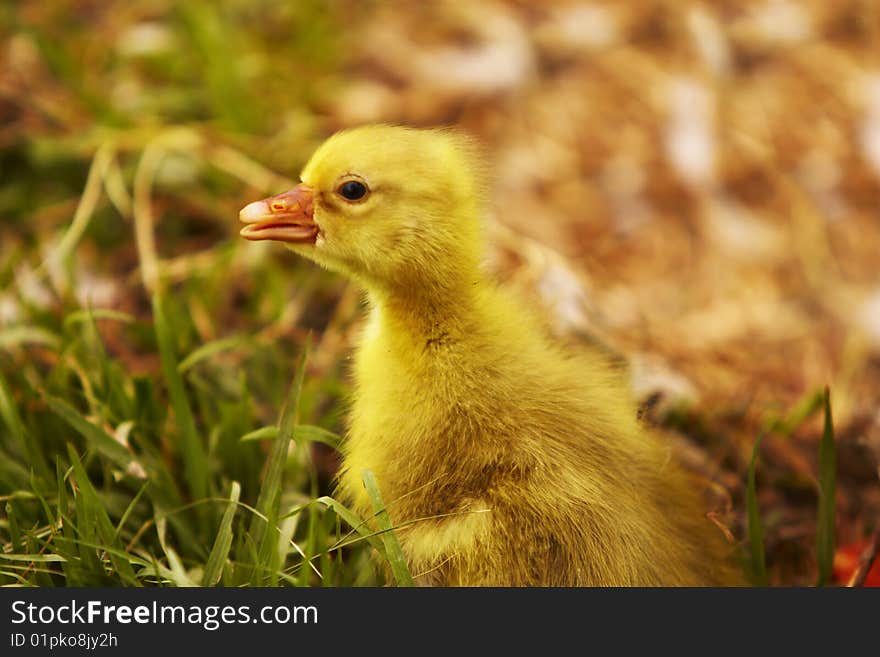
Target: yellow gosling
507, 460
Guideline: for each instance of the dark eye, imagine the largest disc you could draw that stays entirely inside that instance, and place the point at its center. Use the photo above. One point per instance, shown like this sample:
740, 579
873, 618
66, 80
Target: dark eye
352, 190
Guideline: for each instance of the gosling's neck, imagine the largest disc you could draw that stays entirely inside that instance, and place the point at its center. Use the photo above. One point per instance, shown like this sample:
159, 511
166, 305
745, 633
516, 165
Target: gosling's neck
433, 296
430, 312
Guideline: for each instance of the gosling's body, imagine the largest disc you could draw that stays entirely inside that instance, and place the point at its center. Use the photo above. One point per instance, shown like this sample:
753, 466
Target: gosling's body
509, 463
503, 459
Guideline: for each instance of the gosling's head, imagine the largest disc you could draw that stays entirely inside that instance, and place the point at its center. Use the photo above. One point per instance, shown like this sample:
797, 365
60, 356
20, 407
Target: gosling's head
387, 205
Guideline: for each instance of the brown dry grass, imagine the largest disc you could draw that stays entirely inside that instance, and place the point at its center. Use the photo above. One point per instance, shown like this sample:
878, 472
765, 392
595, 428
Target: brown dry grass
696, 183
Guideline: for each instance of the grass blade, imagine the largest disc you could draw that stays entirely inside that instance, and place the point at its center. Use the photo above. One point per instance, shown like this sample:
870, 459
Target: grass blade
301, 433
270, 492
130, 508
260, 434
755, 527
803, 410
94, 435
354, 522
209, 349
312, 434
393, 551
73, 571
195, 458
19, 335
37, 558
223, 542
10, 415
827, 486
14, 531
179, 576
91, 314
93, 506
263, 532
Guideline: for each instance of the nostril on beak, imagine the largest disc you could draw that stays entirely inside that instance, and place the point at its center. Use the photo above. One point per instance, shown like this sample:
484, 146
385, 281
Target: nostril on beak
278, 207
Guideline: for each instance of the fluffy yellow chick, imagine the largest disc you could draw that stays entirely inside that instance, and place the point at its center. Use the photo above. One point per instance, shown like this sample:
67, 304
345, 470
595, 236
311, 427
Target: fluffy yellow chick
505, 459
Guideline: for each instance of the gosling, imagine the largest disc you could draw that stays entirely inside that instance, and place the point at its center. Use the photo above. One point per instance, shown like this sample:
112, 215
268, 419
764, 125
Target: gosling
504, 459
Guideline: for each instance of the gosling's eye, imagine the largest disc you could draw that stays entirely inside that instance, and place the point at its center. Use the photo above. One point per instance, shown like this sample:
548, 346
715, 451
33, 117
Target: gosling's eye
352, 190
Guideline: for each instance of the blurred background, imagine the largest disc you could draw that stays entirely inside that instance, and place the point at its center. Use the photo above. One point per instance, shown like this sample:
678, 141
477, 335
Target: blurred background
693, 185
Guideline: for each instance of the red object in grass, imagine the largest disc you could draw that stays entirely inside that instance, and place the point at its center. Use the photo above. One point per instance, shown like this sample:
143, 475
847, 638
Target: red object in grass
846, 563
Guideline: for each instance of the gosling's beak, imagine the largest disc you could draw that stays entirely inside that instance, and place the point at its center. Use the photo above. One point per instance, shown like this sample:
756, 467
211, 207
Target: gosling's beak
287, 217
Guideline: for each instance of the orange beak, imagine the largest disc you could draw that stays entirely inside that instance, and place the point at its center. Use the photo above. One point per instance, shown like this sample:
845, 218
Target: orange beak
288, 217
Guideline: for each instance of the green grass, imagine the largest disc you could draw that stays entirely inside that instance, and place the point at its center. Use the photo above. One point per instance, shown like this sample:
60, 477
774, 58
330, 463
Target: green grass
755, 556
141, 438
827, 503
106, 481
